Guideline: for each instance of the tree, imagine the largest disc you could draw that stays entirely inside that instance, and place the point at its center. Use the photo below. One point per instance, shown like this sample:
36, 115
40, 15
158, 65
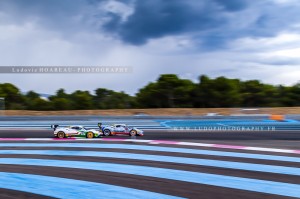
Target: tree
60, 93
12, 96
294, 95
226, 92
32, 100
219, 92
108, 99
102, 98
183, 94
32, 95
169, 91
61, 104
61, 100
202, 92
253, 93
284, 96
40, 105
81, 100
149, 96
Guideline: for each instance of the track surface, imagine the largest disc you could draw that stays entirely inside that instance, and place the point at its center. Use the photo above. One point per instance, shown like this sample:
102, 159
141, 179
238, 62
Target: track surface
284, 139
145, 169
163, 169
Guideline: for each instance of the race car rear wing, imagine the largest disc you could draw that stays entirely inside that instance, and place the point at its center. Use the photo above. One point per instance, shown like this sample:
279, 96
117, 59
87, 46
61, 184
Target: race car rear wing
54, 126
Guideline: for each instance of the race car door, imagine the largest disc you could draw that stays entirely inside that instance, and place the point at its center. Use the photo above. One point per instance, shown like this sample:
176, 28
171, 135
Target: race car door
121, 130
74, 130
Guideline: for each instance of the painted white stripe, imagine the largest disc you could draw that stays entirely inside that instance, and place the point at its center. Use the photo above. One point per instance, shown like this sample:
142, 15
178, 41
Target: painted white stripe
195, 144
269, 149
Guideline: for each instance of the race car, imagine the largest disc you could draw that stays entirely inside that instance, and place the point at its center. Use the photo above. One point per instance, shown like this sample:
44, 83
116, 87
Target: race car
75, 131
120, 129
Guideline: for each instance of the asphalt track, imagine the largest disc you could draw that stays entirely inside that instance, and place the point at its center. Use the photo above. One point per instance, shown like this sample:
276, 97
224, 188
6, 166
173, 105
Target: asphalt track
97, 169
281, 139
112, 168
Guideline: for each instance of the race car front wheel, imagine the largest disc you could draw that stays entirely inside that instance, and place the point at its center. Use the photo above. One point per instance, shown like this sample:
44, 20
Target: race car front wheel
61, 134
133, 133
89, 135
106, 132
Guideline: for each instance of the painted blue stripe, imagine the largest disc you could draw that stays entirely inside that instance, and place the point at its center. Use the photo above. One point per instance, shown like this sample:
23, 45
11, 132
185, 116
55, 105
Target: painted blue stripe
156, 148
160, 158
248, 184
69, 188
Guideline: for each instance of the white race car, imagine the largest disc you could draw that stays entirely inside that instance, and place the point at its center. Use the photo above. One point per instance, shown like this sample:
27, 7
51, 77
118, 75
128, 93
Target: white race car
120, 129
75, 131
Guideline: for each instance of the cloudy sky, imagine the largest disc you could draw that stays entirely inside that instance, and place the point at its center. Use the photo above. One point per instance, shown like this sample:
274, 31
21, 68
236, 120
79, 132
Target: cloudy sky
243, 39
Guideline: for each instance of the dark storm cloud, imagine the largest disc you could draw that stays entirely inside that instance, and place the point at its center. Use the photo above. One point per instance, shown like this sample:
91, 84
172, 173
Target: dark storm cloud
233, 5
213, 23
277, 18
44, 8
157, 18
63, 15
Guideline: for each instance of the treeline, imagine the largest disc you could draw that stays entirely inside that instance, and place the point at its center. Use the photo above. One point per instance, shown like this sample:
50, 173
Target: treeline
168, 91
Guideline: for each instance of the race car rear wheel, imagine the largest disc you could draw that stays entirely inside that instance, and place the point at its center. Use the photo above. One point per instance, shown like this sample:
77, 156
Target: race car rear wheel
89, 135
133, 133
106, 132
61, 134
